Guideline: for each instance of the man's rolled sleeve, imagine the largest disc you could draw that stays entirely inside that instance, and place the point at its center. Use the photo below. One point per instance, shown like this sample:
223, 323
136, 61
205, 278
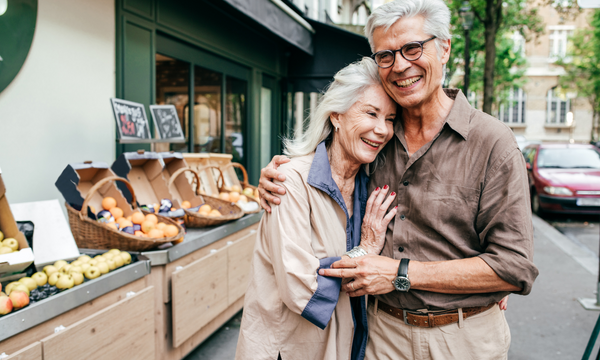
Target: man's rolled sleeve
504, 222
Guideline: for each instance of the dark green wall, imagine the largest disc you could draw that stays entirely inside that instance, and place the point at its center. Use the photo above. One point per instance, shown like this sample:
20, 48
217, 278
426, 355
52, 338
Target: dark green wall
210, 26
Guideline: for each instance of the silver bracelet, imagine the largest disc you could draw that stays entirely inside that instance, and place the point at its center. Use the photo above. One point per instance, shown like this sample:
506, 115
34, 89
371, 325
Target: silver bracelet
356, 252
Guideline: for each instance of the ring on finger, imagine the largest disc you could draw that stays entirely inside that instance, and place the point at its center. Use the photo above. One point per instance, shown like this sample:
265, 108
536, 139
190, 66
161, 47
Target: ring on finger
352, 286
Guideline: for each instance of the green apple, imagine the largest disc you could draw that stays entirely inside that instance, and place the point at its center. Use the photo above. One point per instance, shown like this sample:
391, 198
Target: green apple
77, 263
114, 251
20, 287
84, 267
77, 277
126, 257
40, 278
84, 258
5, 250
99, 258
93, 262
50, 269
103, 267
11, 243
111, 264
10, 286
108, 255
59, 264
118, 261
75, 269
92, 273
65, 281
65, 269
248, 192
53, 279
1, 236
29, 282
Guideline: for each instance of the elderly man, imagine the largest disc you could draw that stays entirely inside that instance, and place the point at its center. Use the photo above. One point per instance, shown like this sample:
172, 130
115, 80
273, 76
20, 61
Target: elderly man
462, 238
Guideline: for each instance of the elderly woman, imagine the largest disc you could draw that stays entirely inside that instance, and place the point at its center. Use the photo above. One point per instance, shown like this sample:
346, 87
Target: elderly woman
291, 312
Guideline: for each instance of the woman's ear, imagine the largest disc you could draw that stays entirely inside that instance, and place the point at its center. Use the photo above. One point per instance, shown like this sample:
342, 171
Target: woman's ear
335, 119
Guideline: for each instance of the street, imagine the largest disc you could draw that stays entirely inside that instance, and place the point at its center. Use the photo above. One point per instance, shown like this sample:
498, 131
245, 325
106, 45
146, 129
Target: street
548, 324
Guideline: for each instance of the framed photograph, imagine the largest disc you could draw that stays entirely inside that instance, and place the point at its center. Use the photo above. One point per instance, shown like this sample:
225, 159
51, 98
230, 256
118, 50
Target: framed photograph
131, 120
167, 122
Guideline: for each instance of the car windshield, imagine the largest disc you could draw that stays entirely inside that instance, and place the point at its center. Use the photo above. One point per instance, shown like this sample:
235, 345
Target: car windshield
569, 158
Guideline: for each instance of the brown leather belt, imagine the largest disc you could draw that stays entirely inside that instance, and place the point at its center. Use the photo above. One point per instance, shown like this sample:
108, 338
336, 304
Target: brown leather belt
420, 319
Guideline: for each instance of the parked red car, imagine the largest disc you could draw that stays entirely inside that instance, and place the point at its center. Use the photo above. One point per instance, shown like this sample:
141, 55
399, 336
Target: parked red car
564, 178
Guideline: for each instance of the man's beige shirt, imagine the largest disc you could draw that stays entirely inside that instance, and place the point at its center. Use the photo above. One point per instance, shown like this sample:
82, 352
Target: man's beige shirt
464, 194
307, 226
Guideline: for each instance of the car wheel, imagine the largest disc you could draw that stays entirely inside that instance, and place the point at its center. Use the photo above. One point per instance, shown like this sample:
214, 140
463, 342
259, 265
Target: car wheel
535, 204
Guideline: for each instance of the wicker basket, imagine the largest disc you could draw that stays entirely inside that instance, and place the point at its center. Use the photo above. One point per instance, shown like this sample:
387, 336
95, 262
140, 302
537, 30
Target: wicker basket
229, 210
91, 234
222, 187
245, 183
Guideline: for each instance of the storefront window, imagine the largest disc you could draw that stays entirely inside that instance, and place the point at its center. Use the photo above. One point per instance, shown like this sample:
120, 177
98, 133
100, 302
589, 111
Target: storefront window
207, 110
172, 88
235, 119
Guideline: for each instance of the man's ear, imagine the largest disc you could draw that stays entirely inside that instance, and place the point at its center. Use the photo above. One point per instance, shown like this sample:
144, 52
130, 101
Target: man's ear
446, 52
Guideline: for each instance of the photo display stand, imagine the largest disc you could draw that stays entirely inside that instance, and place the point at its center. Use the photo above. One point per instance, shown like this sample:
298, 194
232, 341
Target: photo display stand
132, 123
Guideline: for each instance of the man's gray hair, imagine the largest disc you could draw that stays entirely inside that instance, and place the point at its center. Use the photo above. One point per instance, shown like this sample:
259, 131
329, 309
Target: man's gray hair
347, 88
435, 13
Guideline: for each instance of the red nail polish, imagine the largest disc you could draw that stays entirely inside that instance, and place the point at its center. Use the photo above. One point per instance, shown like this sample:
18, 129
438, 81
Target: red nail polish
385, 187
392, 194
377, 189
396, 207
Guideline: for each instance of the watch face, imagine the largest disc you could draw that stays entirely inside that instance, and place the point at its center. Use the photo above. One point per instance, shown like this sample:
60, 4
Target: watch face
402, 283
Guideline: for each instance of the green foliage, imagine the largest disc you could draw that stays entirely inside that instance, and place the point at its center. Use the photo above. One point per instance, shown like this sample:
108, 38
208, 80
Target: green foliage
517, 16
582, 64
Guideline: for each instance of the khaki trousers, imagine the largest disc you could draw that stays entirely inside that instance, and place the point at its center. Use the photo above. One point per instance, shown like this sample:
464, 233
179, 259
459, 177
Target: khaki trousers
481, 337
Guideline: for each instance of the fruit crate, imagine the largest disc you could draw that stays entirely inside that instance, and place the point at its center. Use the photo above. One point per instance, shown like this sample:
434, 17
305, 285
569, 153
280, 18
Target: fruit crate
43, 310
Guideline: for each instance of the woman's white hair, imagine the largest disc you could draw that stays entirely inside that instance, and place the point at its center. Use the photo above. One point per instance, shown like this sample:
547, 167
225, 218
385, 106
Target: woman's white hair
348, 86
435, 13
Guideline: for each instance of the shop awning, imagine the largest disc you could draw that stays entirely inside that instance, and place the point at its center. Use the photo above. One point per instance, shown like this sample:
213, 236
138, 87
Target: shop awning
280, 20
334, 48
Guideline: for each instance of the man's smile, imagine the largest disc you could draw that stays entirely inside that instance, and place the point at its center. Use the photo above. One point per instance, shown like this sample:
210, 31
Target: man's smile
407, 82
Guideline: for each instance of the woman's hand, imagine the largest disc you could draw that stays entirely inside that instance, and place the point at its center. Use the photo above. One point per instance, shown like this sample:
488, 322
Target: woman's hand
266, 187
503, 304
375, 222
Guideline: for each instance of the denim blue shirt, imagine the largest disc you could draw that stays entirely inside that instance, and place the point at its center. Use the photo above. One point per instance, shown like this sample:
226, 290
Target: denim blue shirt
322, 304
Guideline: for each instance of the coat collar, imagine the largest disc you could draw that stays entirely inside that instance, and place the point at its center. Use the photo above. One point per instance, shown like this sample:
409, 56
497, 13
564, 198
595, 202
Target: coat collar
320, 177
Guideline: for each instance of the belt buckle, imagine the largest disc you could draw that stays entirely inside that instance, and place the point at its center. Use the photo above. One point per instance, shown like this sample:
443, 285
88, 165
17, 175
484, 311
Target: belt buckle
405, 318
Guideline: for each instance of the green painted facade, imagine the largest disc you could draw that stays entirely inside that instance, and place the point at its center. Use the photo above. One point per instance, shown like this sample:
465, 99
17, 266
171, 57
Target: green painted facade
212, 36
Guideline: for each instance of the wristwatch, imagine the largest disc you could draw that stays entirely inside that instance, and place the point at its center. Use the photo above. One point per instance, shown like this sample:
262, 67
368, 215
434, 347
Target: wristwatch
401, 282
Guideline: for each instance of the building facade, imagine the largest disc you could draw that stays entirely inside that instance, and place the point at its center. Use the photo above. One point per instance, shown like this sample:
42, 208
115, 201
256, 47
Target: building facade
541, 110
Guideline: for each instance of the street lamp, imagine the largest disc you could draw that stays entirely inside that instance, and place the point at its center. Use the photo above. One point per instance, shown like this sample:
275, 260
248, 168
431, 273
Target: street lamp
466, 16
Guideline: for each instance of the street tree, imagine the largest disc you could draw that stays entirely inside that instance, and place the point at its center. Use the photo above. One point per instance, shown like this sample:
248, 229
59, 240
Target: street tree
495, 22
582, 67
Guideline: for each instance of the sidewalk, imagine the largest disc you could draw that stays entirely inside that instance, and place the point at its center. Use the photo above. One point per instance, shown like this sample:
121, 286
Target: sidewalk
550, 323
547, 324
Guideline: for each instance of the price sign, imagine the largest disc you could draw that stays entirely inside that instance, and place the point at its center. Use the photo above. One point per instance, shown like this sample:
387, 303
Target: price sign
167, 122
131, 120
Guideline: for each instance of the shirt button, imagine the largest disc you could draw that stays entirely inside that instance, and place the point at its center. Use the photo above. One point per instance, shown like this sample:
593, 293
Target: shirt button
402, 217
405, 183
401, 248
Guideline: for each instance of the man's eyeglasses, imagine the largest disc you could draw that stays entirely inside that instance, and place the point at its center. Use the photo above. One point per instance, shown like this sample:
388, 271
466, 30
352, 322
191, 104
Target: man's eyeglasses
411, 52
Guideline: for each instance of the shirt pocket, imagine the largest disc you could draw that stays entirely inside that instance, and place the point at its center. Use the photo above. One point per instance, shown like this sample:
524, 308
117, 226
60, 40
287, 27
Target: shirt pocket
452, 204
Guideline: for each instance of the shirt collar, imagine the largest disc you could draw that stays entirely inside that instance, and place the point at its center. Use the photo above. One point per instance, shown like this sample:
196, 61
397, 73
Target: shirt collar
320, 177
458, 119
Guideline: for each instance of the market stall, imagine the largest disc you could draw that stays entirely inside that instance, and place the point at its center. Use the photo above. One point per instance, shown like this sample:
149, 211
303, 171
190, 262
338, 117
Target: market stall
169, 299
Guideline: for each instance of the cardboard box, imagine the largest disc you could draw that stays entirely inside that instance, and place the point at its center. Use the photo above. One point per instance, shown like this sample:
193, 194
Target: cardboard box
181, 189
208, 184
17, 261
77, 179
144, 170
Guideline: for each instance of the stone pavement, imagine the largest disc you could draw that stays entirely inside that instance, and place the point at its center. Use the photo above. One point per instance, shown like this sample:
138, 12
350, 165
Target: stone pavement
547, 324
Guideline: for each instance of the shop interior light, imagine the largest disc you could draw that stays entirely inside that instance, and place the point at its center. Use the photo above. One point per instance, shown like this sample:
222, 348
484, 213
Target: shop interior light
557, 190
3, 6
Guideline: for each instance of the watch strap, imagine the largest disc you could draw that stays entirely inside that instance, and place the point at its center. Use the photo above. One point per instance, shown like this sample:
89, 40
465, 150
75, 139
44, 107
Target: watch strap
403, 267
